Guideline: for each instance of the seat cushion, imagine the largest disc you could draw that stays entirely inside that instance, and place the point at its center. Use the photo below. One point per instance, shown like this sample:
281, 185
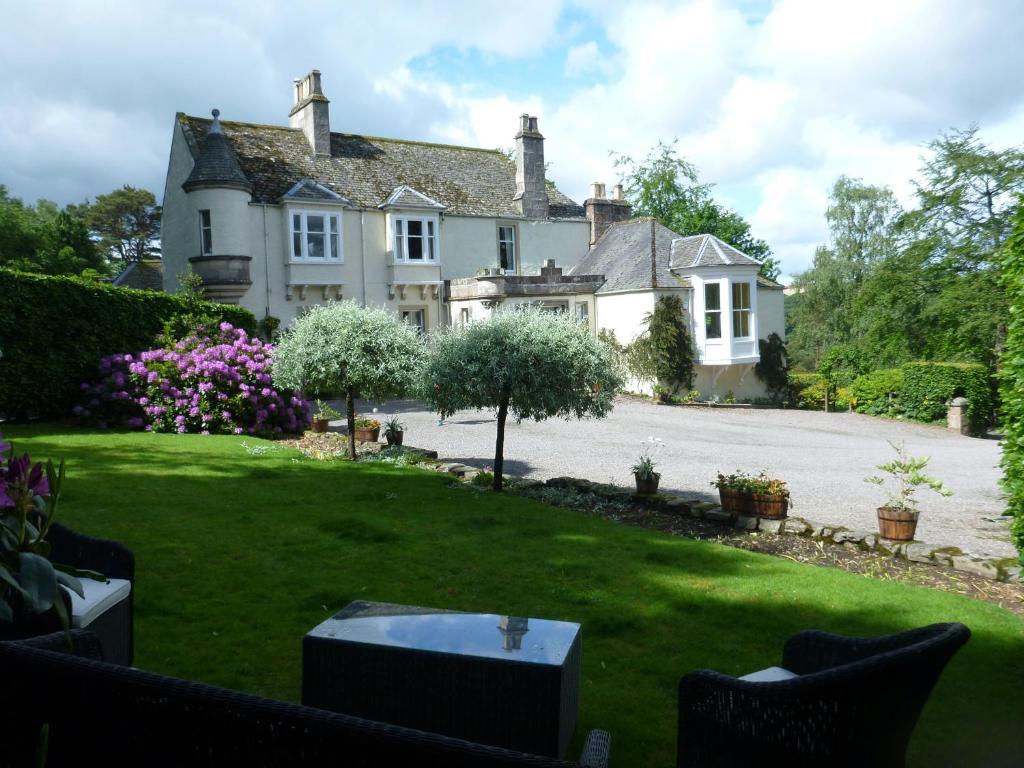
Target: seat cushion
100, 596
769, 675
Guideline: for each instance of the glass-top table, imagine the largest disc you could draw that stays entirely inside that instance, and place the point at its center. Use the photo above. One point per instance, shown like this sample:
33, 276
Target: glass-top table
501, 680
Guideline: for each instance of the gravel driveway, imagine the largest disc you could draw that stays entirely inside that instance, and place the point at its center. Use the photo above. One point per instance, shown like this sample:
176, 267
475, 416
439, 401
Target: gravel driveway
823, 456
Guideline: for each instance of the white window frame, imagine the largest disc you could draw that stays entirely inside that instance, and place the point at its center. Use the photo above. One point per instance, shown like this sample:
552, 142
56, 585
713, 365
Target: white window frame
205, 232
749, 309
514, 242
583, 311
422, 326
465, 316
329, 256
721, 318
398, 232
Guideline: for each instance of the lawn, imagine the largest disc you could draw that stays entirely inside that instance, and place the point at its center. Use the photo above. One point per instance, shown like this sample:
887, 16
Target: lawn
239, 552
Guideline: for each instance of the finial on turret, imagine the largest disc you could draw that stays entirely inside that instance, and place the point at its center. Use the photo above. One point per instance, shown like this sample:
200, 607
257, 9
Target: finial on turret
215, 127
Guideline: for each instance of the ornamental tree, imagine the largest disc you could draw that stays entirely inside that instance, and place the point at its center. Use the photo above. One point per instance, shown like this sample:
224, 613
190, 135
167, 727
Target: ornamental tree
344, 347
523, 361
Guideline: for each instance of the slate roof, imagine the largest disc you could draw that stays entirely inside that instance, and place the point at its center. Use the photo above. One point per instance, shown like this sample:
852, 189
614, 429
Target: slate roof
407, 197
308, 189
367, 169
636, 255
216, 164
146, 275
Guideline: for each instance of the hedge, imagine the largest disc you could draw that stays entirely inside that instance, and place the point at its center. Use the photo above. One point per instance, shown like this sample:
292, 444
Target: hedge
878, 392
928, 388
54, 330
1011, 378
809, 392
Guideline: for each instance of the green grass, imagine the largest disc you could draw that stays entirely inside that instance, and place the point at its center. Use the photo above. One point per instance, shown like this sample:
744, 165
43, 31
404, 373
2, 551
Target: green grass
238, 555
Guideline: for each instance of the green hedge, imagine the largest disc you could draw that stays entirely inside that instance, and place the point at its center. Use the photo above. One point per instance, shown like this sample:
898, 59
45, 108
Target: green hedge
809, 393
1011, 378
54, 330
878, 392
928, 388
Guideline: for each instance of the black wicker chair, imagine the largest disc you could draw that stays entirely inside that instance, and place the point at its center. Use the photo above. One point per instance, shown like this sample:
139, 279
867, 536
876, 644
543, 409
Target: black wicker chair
113, 560
105, 714
854, 702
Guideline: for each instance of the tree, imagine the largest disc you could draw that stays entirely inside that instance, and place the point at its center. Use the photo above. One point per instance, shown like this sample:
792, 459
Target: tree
126, 222
521, 361
666, 187
343, 347
46, 239
665, 354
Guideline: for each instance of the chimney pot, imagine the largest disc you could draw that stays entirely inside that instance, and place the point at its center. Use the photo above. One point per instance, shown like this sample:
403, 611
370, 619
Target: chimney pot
617, 193
524, 122
597, 190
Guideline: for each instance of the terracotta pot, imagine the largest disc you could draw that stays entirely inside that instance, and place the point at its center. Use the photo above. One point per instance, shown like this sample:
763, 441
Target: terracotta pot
367, 435
736, 502
769, 506
319, 425
394, 438
897, 524
647, 486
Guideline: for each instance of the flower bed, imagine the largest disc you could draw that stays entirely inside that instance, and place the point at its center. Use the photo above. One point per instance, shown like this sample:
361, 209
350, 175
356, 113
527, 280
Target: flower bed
216, 384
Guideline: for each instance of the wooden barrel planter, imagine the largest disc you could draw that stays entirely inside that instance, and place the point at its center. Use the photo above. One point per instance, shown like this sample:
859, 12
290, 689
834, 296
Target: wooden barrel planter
736, 502
319, 425
771, 507
897, 524
367, 435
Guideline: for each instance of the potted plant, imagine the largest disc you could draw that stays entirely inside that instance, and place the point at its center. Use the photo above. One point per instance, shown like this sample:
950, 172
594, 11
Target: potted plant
643, 470
897, 519
367, 430
394, 431
33, 599
746, 494
323, 416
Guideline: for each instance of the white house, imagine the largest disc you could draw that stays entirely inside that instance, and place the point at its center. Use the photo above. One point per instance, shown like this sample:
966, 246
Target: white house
277, 218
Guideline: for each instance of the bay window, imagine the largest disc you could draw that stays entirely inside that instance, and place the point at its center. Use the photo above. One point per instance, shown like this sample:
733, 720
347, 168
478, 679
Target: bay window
316, 236
415, 239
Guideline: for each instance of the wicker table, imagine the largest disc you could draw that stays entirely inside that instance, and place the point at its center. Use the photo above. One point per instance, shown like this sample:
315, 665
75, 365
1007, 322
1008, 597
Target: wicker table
500, 680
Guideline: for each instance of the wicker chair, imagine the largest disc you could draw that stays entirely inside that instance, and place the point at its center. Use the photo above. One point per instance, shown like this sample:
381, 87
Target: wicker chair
854, 702
105, 714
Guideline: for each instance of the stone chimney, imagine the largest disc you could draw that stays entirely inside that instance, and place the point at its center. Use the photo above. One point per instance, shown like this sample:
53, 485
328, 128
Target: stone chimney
603, 212
531, 187
311, 113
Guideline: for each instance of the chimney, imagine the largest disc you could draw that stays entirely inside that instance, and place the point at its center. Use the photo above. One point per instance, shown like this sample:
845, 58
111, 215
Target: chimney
531, 187
603, 212
310, 113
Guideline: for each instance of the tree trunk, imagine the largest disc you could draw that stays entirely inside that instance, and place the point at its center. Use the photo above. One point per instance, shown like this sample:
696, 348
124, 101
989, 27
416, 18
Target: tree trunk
350, 408
499, 446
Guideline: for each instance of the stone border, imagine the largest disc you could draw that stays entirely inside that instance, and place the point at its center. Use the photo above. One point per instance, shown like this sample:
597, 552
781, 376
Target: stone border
1006, 569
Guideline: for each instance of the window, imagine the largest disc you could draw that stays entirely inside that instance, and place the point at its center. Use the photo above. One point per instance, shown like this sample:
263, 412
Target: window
712, 311
740, 310
416, 318
583, 312
316, 236
464, 316
415, 240
205, 232
507, 248
554, 307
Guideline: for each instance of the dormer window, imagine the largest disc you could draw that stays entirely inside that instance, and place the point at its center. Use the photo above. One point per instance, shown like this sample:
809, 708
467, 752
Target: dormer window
316, 236
415, 239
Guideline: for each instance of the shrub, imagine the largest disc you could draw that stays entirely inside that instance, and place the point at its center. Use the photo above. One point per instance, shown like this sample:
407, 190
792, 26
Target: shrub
54, 329
1011, 379
216, 384
773, 368
664, 353
878, 392
808, 390
928, 388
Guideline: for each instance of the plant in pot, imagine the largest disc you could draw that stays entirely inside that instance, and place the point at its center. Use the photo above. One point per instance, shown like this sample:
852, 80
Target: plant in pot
367, 430
897, 518
33, 597
746, 494
394, 431
662, 393
643, 469
323, 416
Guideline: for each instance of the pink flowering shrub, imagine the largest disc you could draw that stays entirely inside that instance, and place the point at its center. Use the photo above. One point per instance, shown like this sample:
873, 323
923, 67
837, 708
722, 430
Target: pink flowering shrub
217, 384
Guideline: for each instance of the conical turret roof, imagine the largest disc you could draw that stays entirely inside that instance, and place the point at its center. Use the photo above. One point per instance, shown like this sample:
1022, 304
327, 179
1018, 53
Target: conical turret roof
217, 166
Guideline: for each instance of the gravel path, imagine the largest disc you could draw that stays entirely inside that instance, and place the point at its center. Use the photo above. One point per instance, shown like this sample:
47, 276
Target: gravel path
823, 456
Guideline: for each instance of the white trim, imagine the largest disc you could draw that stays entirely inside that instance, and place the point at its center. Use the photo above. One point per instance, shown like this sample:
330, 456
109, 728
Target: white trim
399, 251
303, 182
427, 202
329, 217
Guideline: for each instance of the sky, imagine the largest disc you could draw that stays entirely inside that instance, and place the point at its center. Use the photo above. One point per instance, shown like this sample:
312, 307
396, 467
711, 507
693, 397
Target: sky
772, 101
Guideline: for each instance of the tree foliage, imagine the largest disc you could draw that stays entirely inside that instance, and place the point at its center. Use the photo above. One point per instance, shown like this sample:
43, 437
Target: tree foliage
344, 347
126, 222
46, 239
667, 188
524, 362
667, 355
1011, 379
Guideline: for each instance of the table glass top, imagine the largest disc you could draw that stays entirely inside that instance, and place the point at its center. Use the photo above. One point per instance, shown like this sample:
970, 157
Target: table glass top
510, 638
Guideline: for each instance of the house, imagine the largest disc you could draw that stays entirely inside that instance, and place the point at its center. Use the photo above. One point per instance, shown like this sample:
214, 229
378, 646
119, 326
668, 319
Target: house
278, 218
146, 275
